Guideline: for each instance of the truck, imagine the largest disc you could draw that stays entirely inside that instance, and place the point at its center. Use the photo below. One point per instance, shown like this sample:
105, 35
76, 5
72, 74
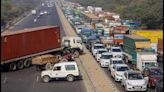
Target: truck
118, 33
19, 47
33, 12
160, 49
138, 52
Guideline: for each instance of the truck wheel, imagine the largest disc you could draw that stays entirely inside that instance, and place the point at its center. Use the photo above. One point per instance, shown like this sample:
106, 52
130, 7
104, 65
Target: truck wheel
76, 54
20, 64
48, 66
46, 79
12, 66
70, 78
27, 63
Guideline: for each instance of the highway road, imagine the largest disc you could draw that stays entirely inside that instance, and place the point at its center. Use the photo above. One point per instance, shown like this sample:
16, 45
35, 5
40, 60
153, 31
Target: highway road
28, 80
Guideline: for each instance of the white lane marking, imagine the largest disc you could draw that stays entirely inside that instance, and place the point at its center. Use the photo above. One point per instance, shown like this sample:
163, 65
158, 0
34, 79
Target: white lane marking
5, 80
37, 79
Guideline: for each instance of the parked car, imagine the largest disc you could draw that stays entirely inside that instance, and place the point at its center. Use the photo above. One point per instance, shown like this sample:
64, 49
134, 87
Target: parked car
153, 74
118, 70
95, 47
99, 53
68, 70
105, 59
159, 85
115, 61
134, 81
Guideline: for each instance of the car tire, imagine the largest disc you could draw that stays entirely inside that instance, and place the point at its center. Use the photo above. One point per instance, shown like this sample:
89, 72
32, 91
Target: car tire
70, 78
46, 79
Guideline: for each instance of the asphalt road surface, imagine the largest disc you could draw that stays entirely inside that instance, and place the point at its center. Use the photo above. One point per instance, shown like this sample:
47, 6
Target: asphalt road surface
28, 80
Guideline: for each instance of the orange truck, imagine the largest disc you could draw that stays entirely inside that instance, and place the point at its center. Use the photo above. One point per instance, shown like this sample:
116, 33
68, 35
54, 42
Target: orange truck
160, 48
118, 33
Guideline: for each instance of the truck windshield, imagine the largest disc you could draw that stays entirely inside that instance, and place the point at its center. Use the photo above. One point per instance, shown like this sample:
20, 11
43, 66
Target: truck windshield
150, 64
134, 76
123, 68
106, 56
116, 50
156, 72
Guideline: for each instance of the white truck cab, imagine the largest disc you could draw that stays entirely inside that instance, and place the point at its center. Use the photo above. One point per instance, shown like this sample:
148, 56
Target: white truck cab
68, 70
145, 59
73, 42
116, 52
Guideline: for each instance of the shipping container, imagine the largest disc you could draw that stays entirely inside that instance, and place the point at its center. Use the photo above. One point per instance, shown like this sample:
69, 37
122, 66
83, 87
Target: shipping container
23, 44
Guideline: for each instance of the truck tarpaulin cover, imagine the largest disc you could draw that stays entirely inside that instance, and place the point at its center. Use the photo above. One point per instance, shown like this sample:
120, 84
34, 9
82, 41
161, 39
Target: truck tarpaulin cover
143, 44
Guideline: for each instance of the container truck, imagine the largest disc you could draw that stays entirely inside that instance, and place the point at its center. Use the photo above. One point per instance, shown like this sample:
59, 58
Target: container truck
138, 52
19, 47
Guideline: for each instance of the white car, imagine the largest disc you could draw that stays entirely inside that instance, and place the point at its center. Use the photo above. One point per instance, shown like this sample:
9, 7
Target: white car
114, 61
99, 53
116, 52
95, 47
41, 13
118, 70
105, 59
134, 81
68, 70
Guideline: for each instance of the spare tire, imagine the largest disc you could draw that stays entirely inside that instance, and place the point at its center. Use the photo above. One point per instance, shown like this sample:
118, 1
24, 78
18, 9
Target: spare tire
48, 66
76, 54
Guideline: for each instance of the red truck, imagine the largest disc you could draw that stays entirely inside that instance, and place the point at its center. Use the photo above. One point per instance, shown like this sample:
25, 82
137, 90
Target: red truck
18, 47
118, 32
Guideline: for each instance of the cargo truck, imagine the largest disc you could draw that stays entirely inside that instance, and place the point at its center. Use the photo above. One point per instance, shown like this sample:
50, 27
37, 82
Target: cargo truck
137, 51
160, 49
19, 47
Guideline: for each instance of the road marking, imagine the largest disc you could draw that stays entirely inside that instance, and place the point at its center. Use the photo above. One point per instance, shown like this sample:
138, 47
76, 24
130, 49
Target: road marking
5, 80
37, 79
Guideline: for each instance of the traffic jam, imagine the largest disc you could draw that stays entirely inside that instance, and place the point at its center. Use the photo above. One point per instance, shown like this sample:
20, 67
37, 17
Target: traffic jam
132, 56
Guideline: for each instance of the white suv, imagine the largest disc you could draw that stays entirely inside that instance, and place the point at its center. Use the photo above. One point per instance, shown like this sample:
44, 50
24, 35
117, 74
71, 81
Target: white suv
68, 70
118, 70
105, 59
134, 81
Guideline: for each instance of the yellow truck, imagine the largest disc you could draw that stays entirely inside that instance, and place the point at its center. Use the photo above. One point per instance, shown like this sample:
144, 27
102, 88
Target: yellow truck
153, 35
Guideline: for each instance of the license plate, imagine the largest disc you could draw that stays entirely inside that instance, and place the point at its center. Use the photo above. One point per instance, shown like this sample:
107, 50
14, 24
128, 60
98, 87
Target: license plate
137, 87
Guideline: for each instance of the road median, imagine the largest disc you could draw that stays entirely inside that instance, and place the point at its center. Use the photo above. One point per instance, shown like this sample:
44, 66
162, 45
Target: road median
94, 77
